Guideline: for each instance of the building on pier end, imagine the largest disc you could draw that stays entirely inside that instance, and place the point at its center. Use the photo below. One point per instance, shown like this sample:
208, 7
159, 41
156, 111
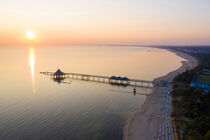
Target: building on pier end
58, 74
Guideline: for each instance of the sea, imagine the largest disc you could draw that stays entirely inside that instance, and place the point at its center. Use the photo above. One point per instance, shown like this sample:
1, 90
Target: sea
33, 106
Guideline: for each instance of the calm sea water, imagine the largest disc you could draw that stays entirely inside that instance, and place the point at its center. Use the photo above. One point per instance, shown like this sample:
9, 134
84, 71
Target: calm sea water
34, 107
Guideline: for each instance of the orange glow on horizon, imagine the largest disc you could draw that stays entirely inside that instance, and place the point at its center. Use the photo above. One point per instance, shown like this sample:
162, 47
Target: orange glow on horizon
91, 36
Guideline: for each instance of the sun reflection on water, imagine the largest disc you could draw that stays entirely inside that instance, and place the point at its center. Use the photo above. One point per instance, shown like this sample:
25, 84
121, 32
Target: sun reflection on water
32, 66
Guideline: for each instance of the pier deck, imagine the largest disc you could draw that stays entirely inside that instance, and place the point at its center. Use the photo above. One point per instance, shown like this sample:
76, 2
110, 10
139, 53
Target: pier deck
104, 79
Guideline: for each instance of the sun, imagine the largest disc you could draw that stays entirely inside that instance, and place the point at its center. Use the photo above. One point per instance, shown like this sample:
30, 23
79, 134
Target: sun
30, 35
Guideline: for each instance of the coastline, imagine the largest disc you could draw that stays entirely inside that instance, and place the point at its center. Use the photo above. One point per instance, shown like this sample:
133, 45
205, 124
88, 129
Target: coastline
141, 125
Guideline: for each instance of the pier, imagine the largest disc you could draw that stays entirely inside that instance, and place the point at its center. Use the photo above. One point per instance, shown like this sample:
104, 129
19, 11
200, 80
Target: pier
114, 80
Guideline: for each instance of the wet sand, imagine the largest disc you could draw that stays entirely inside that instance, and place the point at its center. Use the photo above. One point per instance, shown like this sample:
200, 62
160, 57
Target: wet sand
143, 123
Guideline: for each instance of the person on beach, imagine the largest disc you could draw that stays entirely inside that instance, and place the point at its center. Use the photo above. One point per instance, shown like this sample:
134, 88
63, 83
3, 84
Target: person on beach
134, 91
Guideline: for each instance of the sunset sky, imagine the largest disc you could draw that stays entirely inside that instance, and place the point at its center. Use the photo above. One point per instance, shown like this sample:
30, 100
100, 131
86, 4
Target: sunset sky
143, 22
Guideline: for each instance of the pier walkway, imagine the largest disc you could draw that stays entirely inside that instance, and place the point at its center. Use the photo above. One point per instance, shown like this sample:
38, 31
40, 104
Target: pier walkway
104, 79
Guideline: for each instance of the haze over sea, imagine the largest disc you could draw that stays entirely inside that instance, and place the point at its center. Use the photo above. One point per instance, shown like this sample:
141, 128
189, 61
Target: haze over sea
33, 106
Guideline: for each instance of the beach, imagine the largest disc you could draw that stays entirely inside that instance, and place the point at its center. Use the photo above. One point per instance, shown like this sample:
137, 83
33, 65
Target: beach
144, 123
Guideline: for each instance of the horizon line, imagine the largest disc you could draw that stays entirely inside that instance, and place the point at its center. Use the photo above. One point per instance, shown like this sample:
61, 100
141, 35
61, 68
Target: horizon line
137, 45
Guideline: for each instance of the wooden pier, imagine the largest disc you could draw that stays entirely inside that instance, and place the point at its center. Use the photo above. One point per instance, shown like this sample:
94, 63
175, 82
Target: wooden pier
103, 79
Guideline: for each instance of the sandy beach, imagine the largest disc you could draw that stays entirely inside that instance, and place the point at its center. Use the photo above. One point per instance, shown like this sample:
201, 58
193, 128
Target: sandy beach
143, 123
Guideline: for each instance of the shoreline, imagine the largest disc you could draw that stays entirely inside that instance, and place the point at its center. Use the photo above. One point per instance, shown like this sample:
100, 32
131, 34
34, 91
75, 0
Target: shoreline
142, 123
